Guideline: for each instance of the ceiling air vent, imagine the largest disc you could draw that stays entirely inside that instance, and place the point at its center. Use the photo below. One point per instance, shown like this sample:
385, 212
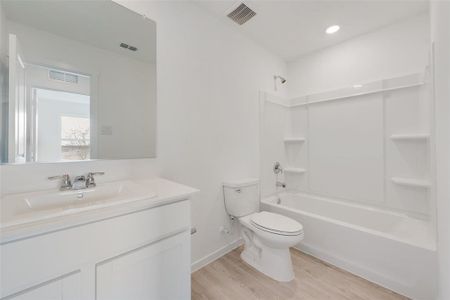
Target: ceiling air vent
241, 14
129, 47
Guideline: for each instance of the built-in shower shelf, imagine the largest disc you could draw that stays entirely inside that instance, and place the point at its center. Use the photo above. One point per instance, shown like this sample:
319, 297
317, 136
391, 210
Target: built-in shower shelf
411, 182
294, 140
410, 137
295, 170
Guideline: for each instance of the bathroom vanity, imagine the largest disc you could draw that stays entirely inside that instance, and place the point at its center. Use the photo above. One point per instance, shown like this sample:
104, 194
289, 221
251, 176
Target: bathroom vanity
120, 240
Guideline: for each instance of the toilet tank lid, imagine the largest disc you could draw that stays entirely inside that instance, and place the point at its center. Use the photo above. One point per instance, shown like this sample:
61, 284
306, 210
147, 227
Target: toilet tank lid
241, 182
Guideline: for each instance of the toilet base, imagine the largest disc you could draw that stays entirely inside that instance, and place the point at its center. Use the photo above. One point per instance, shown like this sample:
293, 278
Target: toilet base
273, 262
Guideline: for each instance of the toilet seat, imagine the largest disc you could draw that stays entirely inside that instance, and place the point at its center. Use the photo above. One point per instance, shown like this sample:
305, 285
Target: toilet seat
277, 224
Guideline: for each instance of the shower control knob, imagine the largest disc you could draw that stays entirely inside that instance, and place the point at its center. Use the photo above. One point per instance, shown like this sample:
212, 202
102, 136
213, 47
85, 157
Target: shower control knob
277, 169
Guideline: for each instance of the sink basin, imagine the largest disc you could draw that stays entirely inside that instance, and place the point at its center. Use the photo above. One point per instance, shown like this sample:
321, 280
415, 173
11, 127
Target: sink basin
20, 208
69, 199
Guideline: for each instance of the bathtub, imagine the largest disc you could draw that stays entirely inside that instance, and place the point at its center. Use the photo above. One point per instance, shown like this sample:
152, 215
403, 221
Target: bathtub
391, 249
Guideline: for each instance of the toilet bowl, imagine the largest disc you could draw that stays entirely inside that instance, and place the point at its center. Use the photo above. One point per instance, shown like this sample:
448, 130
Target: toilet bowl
267, 236
267, 243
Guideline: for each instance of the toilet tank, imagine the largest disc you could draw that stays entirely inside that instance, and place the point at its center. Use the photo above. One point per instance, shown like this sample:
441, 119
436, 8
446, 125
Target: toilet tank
241, 197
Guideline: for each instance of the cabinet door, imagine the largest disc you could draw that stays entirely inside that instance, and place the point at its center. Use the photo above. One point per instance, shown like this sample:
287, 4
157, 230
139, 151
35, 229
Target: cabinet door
64, 288
155, 271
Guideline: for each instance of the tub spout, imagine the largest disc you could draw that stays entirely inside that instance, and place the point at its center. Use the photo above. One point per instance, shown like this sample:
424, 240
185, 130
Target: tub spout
280, 184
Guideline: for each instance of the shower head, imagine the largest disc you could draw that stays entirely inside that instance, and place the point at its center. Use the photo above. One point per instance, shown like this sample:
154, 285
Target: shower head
282, 79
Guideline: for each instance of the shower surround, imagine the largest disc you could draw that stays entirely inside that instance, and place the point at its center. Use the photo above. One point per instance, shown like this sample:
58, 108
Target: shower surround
358, 164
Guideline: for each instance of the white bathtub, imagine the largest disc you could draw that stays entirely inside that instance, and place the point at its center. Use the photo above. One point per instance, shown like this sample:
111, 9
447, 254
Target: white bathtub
391, 249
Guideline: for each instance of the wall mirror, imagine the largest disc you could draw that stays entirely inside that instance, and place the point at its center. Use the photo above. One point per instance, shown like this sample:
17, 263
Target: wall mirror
74, 85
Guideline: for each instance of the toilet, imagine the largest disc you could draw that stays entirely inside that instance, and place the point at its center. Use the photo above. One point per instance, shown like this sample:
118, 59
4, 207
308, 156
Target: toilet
267, 236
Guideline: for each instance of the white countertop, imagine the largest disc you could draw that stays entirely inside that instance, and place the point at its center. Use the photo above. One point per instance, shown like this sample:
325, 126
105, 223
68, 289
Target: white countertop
32, 224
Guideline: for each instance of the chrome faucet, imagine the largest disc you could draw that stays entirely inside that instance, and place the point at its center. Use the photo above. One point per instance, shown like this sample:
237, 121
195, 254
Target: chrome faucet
79, 182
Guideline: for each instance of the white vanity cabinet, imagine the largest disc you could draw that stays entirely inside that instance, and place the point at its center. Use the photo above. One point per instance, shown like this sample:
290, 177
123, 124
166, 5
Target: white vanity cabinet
144, 254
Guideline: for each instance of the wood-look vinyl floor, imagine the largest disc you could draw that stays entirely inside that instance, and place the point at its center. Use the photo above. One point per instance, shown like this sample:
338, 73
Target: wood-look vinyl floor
230, 278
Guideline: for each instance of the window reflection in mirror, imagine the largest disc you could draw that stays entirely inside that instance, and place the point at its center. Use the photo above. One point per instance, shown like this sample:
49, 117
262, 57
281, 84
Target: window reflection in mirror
63, 126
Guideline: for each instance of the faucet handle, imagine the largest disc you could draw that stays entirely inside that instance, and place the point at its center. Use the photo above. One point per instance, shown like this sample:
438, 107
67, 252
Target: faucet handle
277, 168
64, 177
90, 180
66, 184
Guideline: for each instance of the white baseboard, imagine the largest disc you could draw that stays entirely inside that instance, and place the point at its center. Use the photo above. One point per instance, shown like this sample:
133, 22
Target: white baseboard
215, 255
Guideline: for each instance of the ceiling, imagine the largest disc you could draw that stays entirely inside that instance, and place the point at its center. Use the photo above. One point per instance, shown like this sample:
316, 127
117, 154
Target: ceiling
89, 22
293, 28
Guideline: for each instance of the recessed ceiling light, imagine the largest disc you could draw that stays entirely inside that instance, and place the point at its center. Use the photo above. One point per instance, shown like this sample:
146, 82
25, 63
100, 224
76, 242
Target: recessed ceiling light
332, 29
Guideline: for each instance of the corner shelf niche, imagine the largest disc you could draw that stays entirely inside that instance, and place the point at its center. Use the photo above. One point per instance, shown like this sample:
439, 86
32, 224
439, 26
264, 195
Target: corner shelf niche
288, 140
410, 137
294, 170
411, 182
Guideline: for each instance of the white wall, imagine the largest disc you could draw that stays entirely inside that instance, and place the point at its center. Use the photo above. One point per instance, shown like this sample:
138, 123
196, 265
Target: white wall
3, 93
395, 50
440, 30
3, 84
123, 89
209, 76
3, 32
